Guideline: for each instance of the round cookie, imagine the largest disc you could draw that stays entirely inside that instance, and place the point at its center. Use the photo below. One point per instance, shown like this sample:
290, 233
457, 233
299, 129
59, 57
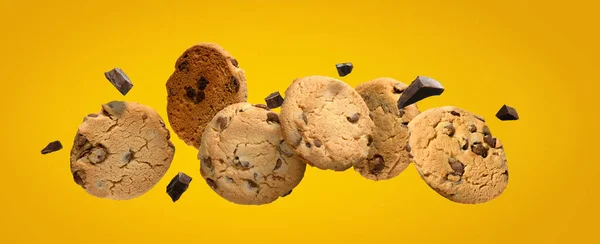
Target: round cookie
387, 157
456, 154
206, 80
121, 152
326, 122
244, 158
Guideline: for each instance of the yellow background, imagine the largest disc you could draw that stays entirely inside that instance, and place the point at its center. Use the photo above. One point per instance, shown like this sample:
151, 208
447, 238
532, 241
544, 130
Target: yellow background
538, 56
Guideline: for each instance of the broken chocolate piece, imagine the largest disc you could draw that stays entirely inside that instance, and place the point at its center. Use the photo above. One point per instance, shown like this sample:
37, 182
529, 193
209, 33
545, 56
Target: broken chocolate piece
184, 66
472, 128
274, 100
97, 154
479, 149
457, 166
261, 106
178, 185
272, 118
490, 141
278, 164
353, 118
77, 178
252, 184
202, 83
317, 143
52, 147
211, 183
344, 69
507, 113
449, 129
235, 62
421, 88
119, 79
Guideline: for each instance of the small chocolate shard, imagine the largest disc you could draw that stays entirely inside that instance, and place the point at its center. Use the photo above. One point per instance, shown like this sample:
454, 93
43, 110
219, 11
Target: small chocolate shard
78, 178
507, 113
377, 164
369, 140
211, 183
464, 144
127, 157
262, 106
404, 124
472, 128
202, 83
449, 129
178, 185
304, 118
208, 162
317, 143
287, 193
490, 141
222, 123
252, 184
308, 145
272, 118
407, 147
479, 117
119, 79
235, 62
457, 166
344, 69
184, 66
274, 100
479, 149
353, 118
454, 113
278, 164
506, 173
421, 88
52, 147
401, 112
200, 96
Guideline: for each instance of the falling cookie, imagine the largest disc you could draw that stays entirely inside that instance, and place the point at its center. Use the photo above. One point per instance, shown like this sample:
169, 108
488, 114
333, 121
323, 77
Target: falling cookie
206, 80
455, 153
326, 122
121, 152
387, 156
244, 157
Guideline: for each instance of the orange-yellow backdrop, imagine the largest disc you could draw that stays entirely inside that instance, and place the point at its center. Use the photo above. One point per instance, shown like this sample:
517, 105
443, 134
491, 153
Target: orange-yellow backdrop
538, 56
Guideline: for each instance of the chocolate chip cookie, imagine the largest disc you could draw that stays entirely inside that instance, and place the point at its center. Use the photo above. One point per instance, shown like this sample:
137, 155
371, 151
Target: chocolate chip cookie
455, 153
244, 157
121, 152
387, 156
206, 80
326, 122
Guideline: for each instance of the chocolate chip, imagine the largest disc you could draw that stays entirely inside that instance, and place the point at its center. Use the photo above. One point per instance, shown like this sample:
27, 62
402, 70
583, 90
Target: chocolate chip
274, 100
407, 147
344, 69
317, 143
211, 183
506, 173
278, 164
119, 80
479, 117
52, 147
190, 93
178, 185
421, 88
127, 157
353, 118
235, 62
401, 112
272, 118
507, 113
449, 130
486, 131
287, 193
245, 164
377, 164
222, 123
472, 128
490, 140
308, 144
479, 149
261, 106
202, 83
92, 115
233, 86
184, 66
304, 118
465, 144
199, 97
454, 113
369, 140
208, 162
404, 124
457, 166
97, 154
252, 184
80, 140
77, 177
399, 88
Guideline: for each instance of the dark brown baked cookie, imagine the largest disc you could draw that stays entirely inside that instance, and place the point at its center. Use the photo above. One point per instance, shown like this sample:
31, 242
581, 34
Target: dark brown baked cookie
206, 80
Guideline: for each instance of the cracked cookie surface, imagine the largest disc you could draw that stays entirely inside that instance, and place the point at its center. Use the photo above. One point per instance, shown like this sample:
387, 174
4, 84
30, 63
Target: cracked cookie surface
326, 122
244, 158
455, 153
121, 152
206, 79
387, 155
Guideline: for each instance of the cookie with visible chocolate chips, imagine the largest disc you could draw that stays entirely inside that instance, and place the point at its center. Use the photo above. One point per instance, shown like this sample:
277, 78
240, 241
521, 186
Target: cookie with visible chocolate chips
121, 152
326, 122
387, 156
206, 79
244, 158
455, 153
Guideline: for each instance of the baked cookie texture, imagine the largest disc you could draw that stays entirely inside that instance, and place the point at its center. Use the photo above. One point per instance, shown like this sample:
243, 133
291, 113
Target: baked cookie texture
326, 122
206, 79
455, 153
244, 158
121, 152
387, 155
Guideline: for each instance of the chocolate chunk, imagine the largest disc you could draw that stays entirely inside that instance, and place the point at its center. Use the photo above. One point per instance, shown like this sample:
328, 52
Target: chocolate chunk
317, 143
222, 123
235, 62
233, 86
506, 173
308, 144
272, 118
78, 178
472, 128
490, 140
486, 131
421, 88
369, 140
454, 113
92, 115
261, 106
208, 162
178, 185
184, 66
97, 154
52, 147
377, 164
252, 184
479, 149
465, 144
353, 118
274, 100
190, 93
278, 164
457, 166
200, 96
399, 88
202, 83
407, 147
404, 124
287, 193
119, 79
507, 113
127, 157
211, 183
449, 130
304, 118
344, 69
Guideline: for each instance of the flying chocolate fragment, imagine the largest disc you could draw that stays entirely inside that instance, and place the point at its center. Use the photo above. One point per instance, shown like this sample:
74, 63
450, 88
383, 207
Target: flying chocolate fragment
344, 69
274, 100
507, 113
422, 87
52, 147
178, 185
119, 79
